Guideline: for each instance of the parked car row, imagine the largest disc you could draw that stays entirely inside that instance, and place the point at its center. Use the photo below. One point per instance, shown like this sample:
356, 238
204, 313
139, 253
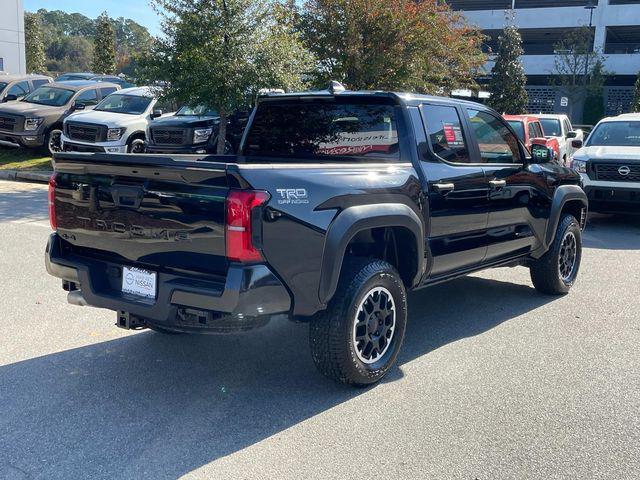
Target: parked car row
91, 115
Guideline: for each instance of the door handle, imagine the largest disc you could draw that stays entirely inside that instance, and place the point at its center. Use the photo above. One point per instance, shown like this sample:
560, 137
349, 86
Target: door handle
498, 183
444, 187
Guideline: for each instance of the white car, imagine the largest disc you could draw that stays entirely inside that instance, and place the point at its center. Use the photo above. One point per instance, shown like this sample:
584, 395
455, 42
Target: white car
116, 125
559, 127
609, 163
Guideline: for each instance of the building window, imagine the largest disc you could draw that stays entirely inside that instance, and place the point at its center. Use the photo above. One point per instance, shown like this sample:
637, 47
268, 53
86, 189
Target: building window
623, 40
1, 64
476, 5
535, 41
624, 2
549, 3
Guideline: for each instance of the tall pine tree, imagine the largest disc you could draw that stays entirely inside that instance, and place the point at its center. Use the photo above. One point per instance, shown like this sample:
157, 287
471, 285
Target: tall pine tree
508, 94
34, 44
635, 102
104, 52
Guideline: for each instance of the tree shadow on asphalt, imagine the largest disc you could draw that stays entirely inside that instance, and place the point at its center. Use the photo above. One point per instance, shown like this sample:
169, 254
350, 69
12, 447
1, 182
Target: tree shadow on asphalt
24, 203
155, 406
612, 232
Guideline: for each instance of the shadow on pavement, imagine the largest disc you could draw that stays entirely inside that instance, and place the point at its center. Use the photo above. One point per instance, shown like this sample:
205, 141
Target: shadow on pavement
612, 232
161, 406
24, 202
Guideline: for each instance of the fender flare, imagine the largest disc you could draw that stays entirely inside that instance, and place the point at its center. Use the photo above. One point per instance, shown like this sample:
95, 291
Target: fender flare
562, 195
356, 219
136, 133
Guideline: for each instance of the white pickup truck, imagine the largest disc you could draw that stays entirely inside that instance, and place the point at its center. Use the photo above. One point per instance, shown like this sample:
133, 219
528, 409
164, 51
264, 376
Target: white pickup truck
116, 125
559, 126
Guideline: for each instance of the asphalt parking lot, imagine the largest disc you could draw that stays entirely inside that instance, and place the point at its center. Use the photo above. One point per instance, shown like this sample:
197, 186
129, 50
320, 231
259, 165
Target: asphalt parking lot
495, 381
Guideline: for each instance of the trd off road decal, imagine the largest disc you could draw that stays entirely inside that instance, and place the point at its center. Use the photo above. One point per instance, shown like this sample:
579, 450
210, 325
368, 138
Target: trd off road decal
292, 196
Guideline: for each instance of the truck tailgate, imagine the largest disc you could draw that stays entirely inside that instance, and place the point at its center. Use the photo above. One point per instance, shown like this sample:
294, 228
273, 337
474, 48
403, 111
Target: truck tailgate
143, 210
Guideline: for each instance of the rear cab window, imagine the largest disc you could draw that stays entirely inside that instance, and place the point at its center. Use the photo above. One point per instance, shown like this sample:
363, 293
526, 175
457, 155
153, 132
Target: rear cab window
340, 129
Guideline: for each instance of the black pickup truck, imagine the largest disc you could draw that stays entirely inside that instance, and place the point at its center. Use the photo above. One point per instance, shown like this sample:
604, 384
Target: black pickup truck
337, 204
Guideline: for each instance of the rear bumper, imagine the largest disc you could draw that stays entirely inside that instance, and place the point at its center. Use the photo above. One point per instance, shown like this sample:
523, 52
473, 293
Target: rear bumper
238, 302
612, 197
29, 139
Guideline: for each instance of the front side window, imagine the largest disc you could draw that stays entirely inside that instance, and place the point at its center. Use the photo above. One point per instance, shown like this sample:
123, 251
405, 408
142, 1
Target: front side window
496, 142
19, 89
129, 104
323, 129
3, 85
52, 96
551, 127
445, 133
620, 134
88, 97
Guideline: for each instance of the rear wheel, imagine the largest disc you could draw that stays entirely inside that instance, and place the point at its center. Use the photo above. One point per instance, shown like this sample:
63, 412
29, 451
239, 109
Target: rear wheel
356, 340
556, 271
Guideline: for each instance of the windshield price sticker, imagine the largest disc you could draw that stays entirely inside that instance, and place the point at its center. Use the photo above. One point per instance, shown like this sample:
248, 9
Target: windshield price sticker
452, 134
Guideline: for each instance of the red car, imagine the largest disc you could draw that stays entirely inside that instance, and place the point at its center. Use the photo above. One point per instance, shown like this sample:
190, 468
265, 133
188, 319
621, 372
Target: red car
530, 131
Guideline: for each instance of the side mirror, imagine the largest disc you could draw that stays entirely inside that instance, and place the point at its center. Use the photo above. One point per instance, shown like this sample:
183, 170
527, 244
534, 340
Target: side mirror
78, 106
572, 134
540, 153
576, 143
10, 98
156, 114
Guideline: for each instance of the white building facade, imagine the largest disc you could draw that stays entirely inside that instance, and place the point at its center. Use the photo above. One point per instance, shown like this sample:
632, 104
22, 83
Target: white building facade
12, 51
542, 23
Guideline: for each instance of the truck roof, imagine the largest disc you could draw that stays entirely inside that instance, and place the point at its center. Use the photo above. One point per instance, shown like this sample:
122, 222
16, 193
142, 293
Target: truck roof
400, 98
80, 84
13, 77
524, 118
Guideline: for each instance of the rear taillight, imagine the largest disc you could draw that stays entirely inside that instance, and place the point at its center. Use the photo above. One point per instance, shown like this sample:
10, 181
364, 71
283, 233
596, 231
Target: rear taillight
52, 206
239, 234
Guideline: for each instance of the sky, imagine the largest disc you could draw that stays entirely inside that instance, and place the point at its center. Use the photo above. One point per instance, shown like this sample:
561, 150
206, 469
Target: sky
138, 10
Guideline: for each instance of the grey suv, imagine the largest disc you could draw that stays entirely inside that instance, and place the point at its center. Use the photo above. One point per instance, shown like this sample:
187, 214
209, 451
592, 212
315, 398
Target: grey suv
15, 87
36, 120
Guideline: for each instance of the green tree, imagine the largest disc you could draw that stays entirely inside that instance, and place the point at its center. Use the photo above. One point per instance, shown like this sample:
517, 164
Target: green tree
391, 44
34, 45
219, 53
594, 101
507, 85
635, 102
104, 48
574, 64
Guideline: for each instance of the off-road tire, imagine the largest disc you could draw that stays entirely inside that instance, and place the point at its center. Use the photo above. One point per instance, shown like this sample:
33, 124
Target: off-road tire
331, 333
546, 271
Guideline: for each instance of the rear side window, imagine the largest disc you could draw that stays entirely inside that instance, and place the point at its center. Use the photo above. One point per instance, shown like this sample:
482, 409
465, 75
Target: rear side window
537, 129
88, 97
445, 133
323, 129
39, 82
105, 91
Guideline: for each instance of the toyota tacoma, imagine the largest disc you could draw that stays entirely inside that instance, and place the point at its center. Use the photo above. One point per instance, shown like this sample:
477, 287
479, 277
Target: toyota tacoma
337, 203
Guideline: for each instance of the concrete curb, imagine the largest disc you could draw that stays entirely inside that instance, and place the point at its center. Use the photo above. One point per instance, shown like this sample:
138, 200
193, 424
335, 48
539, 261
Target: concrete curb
18, 175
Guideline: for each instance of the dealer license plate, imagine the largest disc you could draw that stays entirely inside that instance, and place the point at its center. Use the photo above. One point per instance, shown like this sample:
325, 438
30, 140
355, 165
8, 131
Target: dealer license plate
139, 282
